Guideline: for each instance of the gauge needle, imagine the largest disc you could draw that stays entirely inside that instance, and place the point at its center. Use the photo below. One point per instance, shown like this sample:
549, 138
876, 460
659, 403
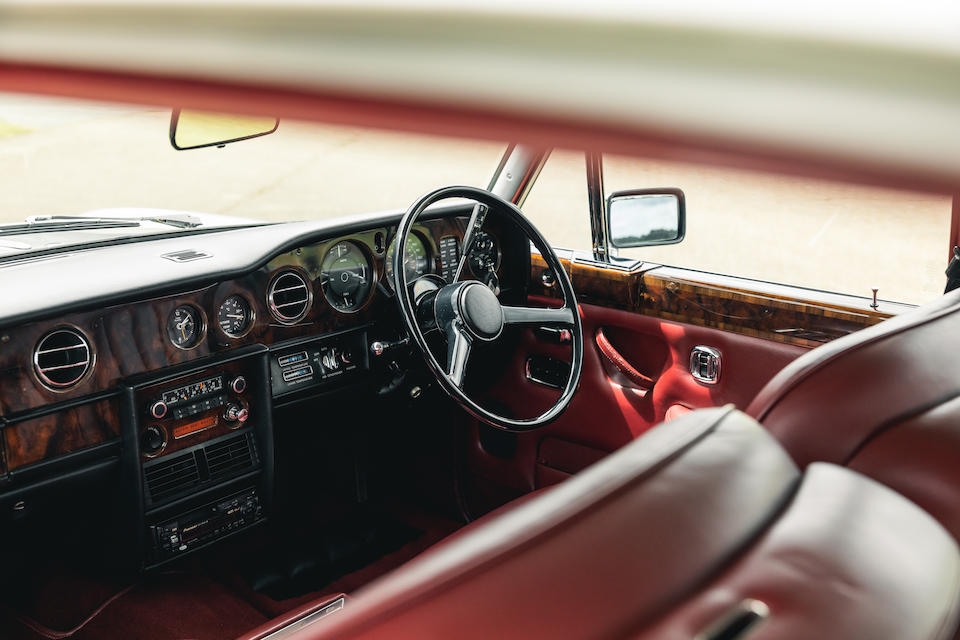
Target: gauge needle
233, 316
183, 333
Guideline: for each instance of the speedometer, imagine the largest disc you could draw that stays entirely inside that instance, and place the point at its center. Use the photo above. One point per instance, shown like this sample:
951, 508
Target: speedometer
346, 276
416, 260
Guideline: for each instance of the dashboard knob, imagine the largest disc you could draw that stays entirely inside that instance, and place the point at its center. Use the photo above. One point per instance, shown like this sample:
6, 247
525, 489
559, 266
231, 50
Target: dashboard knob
158, 409
330, 360
236, 413
379, 347
153, 440
239, 384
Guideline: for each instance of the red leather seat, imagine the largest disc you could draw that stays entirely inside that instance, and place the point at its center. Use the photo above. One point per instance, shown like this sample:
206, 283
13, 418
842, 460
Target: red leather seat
884, 401
696, 526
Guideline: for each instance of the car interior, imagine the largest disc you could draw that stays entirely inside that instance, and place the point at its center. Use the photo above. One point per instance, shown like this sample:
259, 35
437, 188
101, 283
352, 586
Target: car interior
431, 422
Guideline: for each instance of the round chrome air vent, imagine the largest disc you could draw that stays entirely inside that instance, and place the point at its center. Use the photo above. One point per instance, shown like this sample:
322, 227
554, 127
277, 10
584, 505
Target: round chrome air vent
62, 358
289, 297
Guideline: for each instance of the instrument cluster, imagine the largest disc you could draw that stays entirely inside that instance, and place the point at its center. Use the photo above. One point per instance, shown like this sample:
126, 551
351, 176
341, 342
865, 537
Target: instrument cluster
345, 270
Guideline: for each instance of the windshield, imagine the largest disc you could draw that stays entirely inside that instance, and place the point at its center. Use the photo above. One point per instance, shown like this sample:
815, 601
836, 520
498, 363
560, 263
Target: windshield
61, 157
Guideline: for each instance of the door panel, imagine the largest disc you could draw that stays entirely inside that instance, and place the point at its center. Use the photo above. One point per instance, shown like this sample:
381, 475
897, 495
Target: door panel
651, 318
746, 363
608, 412
778, 313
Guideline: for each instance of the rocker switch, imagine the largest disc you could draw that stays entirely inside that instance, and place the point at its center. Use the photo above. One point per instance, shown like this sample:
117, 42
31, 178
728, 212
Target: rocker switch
705, 364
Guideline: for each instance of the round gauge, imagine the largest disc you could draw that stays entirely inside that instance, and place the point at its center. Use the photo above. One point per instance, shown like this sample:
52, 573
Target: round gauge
416, 260
185, 326
485, 256
235, 316
346, 276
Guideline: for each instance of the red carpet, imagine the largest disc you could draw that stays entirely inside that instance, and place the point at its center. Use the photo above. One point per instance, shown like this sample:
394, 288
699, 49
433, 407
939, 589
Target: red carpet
161, 607
206, 600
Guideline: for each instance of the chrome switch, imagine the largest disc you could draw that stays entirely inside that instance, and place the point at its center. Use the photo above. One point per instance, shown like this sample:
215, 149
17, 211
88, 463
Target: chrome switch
705, 364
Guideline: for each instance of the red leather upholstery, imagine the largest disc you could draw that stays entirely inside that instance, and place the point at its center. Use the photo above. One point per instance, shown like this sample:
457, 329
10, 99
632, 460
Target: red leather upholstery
748, 363
848, 559
607, 413
626, 542
882, 401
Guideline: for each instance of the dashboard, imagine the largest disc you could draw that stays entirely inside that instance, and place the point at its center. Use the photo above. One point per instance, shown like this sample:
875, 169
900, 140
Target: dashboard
317, 288
177, 381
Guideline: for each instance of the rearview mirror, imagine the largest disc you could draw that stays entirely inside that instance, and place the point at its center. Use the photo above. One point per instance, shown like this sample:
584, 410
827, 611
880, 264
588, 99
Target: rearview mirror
198, 129
646, 217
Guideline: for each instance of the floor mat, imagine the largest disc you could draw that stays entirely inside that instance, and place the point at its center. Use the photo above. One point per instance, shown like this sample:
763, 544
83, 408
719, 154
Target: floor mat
62, 598
212, 596
160, 607
308, 562
434, 528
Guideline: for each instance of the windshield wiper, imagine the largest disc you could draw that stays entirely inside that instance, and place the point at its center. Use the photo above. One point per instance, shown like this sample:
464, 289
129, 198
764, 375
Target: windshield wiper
49, 224
184, 221
20, 229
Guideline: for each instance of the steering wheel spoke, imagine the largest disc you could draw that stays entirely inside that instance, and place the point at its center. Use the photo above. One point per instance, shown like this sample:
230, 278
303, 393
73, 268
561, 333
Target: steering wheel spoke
538, 316
459, 345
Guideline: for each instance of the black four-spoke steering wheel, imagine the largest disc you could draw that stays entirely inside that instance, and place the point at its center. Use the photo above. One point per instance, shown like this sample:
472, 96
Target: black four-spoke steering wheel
468, 312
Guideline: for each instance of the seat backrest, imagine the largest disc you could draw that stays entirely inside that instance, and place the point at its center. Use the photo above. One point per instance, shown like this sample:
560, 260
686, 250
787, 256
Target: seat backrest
883, 401
621, 540
614, 549
849, 558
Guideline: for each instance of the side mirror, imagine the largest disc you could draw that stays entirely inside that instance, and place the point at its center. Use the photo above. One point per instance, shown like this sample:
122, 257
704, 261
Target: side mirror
646, 217
198, 129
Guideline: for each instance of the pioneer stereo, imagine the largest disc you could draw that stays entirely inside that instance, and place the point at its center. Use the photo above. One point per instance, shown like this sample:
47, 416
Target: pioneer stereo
205, 524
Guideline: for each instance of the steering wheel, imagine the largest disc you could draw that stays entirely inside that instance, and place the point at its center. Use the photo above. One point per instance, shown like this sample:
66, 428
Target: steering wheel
468, 312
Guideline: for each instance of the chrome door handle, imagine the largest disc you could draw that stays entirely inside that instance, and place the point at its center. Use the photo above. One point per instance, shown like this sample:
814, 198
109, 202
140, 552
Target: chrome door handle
705, 364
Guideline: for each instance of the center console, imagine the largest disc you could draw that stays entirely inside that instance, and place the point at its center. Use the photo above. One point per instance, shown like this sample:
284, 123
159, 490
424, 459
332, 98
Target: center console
204, 460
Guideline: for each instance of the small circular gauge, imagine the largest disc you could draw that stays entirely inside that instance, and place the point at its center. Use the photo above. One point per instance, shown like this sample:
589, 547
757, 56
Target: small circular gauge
346, 276
185, 326
235, 316
416, 260
485, 256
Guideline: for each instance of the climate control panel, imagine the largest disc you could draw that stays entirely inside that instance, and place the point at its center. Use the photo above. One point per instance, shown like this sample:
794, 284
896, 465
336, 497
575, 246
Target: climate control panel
194, 408
317, 362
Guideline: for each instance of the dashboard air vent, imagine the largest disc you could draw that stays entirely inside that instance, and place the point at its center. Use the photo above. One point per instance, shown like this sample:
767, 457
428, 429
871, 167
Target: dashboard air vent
62, 358
228, 457
289, 297
171, 476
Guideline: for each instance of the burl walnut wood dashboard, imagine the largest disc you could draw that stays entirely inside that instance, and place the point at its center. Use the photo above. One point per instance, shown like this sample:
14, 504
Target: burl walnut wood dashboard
41, 422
